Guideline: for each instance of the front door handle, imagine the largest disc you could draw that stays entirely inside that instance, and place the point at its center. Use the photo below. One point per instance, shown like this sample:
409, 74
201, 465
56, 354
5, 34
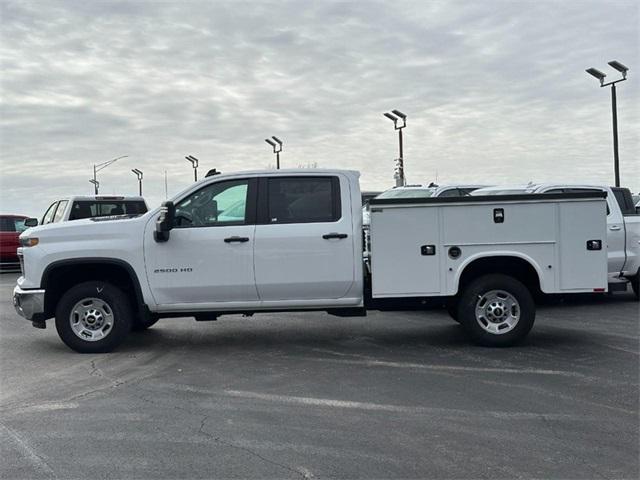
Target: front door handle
615, 227
236, 239
328, 236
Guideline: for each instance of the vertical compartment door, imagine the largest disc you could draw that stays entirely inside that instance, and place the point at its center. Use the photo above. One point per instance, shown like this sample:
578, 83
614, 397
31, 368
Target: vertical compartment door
405, 251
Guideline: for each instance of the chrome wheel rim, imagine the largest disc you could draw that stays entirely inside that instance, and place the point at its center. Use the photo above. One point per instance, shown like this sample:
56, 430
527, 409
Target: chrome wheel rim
497, 312
91, 319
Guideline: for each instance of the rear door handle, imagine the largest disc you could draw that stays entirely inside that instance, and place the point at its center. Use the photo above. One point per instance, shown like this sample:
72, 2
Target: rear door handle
236, 239
328, 236
615, 227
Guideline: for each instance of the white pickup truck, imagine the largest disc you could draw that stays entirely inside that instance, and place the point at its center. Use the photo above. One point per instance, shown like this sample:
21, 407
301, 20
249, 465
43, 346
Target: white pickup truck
291, 240
79, 207
623, 226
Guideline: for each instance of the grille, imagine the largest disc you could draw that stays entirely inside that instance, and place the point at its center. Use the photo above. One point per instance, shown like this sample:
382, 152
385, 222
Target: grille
21, 260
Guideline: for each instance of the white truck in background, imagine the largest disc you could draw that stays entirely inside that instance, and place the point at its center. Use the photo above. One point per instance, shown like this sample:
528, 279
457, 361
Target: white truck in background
291, 240
623, 227
78, 207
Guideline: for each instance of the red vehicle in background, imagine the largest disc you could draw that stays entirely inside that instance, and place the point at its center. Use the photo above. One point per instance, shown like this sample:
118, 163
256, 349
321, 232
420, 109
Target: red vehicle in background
11, 226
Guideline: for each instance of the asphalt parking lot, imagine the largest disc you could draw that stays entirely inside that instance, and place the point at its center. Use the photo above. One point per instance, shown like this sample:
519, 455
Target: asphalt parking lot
392, 395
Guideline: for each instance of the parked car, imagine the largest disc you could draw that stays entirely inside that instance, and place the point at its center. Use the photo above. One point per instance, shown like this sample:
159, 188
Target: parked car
79, 207
623, 226
297, 246
11, 226
421, 191
432, 190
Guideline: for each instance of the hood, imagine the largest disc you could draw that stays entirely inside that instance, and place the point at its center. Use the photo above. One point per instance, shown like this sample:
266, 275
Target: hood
105, 227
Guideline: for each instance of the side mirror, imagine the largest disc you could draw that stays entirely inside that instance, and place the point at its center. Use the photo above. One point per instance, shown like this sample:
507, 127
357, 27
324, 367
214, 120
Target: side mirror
164, 223
31, 222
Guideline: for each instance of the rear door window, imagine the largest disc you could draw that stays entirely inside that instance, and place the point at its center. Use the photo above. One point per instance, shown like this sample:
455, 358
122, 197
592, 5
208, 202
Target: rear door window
303, 200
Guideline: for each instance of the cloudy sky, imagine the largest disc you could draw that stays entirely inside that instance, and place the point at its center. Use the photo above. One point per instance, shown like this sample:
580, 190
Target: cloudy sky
495, 91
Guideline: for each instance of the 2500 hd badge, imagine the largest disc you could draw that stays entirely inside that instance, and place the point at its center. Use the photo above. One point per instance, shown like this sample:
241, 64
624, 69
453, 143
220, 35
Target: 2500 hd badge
173, 270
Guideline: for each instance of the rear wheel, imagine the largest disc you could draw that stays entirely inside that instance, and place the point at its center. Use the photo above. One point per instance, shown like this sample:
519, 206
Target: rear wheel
635, 286
496, 310
452, 308
93, 317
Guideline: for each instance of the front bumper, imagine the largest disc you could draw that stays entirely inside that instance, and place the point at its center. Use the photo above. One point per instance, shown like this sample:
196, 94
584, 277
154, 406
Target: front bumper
28, 303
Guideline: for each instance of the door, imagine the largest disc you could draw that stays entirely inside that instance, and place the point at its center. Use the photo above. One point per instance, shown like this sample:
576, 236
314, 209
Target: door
208, 258
405, 251
304, 245
615, 229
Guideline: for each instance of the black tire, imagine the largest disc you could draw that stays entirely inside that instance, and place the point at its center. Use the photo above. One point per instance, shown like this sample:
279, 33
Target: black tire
635, 287
140, 325
472, 295
117, 305
452, 308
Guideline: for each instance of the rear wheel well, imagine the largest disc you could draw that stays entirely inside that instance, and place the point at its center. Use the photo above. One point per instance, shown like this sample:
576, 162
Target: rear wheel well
58, 279
515, 267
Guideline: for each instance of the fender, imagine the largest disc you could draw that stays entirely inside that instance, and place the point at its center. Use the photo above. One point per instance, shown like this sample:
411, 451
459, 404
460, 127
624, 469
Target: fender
505, 253
140, 304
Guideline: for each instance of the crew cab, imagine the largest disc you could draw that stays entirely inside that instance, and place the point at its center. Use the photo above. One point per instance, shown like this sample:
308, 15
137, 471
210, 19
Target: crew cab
79, 207
291, 240
623, 227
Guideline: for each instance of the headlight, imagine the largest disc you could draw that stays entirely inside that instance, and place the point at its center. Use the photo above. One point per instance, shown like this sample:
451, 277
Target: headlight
29, 242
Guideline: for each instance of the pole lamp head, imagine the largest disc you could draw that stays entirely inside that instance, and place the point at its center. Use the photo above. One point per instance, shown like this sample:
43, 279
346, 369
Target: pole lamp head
193, 160
402, 116
272, 143
279, 142
393, 118
620, 67
596, 73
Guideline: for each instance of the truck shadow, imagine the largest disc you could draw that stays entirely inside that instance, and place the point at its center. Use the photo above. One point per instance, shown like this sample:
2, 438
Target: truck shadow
348, 340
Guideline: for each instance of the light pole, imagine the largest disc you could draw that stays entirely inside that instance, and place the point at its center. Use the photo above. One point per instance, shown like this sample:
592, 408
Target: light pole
276, 143
138, 174
396, 116
194, 163
614, 108
101, 166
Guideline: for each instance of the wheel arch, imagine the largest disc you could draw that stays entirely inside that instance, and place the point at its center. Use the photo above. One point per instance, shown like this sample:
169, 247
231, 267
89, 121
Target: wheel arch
516, 264
61, 275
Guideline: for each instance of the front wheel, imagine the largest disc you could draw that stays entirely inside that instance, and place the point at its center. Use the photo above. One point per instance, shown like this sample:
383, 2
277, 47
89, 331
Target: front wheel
93, 317
496, 310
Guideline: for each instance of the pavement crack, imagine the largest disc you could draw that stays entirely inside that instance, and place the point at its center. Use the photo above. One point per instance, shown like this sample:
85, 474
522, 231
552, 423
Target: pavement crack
28, 452
304, 475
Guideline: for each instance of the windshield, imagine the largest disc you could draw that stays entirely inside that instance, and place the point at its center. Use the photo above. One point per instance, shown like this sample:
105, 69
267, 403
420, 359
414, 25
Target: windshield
408, 193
